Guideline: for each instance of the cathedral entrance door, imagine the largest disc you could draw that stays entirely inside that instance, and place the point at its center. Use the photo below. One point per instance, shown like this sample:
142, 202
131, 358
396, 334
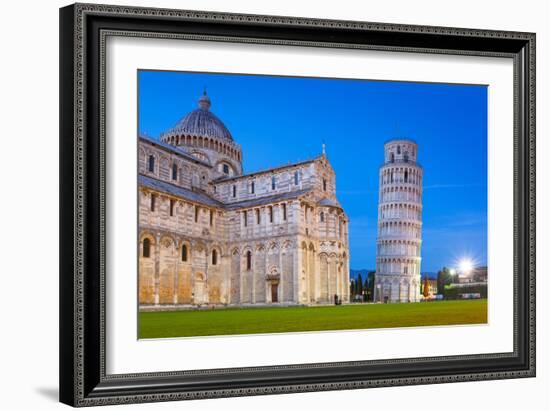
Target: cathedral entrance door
199, 290
274, 294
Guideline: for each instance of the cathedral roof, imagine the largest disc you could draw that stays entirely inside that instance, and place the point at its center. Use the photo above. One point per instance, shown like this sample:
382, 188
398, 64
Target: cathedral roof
400, 140
201, 122
255, 202
175, 150
266, 171
203, 198
327, 202
163, 186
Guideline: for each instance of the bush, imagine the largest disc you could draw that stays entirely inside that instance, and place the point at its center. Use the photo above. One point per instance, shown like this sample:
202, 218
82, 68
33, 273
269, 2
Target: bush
452, 292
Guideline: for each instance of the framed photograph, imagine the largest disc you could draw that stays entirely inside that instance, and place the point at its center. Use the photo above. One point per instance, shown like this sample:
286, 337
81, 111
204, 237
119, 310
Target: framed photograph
261, 204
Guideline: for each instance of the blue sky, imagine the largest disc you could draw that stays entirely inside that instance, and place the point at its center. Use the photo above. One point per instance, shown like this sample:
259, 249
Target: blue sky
286, 119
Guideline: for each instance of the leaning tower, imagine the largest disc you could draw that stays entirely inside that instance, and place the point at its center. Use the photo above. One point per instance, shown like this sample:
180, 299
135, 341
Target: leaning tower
399, 224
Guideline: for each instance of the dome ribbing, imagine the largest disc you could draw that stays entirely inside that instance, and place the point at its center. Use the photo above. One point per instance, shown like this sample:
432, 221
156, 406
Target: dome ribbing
201, 122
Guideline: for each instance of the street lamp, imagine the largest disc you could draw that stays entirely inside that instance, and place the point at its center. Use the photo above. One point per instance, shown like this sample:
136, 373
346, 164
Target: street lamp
466, 266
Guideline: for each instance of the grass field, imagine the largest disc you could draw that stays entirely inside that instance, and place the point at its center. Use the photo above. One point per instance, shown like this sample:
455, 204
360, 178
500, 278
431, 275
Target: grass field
229, 321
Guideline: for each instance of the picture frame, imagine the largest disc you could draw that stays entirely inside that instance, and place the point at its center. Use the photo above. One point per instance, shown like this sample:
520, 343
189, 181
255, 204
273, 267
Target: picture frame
84, 223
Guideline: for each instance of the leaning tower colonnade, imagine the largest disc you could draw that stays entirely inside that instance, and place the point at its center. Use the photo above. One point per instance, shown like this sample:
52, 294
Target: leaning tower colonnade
399, 224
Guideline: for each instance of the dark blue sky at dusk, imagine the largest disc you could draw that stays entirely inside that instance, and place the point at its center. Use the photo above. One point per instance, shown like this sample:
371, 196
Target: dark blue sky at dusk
278, 120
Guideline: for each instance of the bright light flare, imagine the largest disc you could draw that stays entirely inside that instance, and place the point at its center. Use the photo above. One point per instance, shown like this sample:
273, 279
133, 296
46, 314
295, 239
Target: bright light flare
465, 266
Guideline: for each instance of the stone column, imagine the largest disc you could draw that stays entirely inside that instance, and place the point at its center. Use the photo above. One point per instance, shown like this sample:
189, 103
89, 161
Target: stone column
338, 278
306, 270
266, 284
281, 274
242, 254
157, 270
176, 274
253, 268
298, 267
229, 268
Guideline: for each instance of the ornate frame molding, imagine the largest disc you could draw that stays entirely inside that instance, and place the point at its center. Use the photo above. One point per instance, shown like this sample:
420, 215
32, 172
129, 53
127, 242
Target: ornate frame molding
83, 32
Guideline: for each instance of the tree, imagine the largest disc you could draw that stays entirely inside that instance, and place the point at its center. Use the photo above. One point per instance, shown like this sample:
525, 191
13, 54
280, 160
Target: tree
352, 288
359, 286
370, 282
443, 278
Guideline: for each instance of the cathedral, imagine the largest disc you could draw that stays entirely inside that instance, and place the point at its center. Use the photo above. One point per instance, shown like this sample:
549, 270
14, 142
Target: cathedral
211, 235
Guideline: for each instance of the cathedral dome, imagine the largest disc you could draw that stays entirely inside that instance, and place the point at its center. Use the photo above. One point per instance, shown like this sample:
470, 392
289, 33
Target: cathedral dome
201, 122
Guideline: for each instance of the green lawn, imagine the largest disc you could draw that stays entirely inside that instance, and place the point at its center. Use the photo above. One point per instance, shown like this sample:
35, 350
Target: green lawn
291, 319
